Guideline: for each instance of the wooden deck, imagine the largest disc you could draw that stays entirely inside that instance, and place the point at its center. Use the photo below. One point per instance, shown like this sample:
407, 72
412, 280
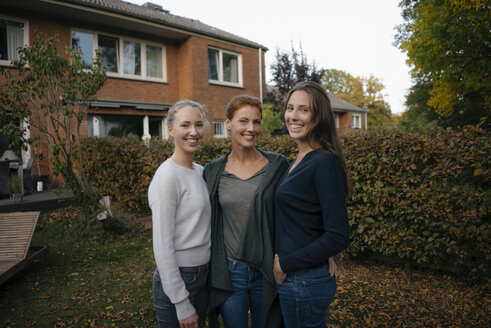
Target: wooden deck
44, 201
16, 230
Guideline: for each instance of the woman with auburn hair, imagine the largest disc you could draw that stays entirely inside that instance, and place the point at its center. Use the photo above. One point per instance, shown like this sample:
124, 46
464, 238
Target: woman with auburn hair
310, 201
181, 215
241, 186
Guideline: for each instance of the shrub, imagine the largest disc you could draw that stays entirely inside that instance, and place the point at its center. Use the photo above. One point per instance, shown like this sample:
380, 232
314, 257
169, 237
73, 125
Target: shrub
423, 199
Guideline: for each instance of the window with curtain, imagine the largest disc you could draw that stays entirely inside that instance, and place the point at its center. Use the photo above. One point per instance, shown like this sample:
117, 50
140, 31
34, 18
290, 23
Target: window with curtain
84, 42
132, 57
224, 67
109, 46
121, 57
230, 68
154, 61
11, 39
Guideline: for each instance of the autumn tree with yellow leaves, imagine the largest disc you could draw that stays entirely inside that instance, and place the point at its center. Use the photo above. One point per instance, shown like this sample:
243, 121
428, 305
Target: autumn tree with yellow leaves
364, 92
448, 44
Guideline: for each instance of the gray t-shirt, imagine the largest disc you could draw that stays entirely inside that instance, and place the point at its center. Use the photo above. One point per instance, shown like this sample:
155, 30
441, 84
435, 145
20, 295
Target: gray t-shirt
235, 196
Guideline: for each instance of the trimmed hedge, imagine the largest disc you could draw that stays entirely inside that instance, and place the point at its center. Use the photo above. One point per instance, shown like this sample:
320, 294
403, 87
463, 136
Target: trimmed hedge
423, 199
124, 167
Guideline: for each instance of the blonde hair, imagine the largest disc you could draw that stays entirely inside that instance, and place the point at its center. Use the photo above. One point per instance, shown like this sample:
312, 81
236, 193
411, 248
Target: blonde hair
180, 104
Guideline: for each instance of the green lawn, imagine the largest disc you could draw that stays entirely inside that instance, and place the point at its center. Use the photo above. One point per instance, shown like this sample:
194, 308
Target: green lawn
99, 280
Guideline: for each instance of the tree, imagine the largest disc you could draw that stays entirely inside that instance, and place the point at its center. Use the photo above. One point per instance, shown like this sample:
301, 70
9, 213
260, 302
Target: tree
364, 92
291, 68
419, 115
447, 43
271, 119
52, 93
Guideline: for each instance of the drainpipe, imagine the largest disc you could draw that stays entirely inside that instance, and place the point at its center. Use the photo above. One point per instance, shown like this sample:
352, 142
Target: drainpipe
260, 53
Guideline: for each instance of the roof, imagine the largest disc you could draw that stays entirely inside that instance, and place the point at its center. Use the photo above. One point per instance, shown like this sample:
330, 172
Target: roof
341, 105
165, 18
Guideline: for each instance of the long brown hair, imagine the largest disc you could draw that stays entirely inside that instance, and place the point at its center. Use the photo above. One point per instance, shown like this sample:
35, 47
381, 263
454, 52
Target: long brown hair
323, 132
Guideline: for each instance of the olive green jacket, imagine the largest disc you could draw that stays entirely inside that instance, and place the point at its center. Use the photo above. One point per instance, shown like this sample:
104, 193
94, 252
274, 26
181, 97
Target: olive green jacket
256, 247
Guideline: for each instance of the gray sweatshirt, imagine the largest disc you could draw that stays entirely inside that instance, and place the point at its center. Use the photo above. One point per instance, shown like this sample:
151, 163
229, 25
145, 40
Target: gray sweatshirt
181, 215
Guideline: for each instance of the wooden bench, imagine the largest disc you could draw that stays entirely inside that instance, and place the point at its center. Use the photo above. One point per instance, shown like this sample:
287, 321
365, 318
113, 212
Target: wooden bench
16, 230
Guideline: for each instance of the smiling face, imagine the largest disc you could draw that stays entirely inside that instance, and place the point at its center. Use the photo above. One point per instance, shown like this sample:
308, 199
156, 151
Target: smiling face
244, 126
298, 115
187, 129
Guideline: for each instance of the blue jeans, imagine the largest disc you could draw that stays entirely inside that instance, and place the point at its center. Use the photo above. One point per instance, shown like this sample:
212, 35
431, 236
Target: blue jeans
305, 296
195, 280
248, 293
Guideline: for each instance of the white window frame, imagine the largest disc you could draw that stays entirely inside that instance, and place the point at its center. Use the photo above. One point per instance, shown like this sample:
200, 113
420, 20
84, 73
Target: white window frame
4, 62
220, 80
120, 59
353, 121
221, 123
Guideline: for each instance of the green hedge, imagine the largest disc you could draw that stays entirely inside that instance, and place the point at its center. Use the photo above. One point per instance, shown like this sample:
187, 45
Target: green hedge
420, 198
424, 198
124, 167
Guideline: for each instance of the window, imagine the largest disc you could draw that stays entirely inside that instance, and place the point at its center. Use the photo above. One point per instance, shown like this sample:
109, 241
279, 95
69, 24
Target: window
116, 126
124, 126
356, 121
224, 67
219, 129
154, 61
85, 43
13, 35
109, 48
122, 57
132, 60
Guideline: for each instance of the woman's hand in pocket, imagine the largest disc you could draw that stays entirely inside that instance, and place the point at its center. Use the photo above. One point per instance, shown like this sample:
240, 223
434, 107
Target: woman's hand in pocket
279, 275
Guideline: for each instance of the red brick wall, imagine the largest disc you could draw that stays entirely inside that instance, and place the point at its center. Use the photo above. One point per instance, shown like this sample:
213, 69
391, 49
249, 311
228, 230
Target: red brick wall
193, 75
186, 71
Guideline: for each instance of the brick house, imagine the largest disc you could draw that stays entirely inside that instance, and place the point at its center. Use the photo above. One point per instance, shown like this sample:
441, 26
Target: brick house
348, 116
153, 59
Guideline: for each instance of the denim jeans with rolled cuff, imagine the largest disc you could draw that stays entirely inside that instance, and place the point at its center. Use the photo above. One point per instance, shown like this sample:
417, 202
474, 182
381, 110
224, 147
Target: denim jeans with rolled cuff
305, 296
195, 280
247, 283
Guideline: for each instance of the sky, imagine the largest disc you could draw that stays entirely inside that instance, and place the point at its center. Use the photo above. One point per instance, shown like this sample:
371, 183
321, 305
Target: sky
355, 36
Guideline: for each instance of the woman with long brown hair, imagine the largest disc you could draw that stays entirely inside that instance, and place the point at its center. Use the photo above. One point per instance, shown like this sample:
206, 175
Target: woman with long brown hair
311, 217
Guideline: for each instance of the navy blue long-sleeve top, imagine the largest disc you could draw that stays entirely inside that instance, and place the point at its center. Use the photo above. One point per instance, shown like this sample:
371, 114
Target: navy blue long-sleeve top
311, 217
